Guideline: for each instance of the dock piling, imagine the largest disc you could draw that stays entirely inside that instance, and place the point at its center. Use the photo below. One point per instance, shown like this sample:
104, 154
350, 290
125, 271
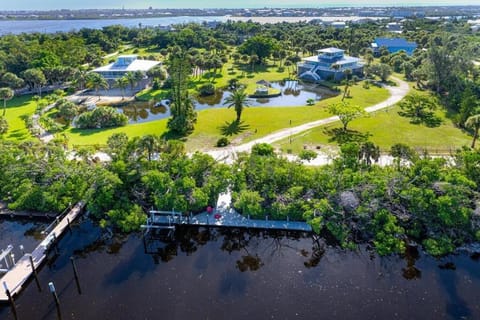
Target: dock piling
54, 243
53, 291
10, 299
75, 274
69, 225
34, 272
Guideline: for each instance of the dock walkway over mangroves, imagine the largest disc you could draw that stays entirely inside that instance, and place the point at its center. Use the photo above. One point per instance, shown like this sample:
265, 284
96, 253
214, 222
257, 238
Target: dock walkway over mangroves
15, 277
223, 216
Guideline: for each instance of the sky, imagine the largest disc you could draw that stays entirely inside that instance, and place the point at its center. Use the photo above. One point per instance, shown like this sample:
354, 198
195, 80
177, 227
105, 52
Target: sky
141, 4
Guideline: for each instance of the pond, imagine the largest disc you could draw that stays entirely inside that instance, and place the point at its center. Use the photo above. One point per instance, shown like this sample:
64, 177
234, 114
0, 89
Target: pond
293, 95
202, 273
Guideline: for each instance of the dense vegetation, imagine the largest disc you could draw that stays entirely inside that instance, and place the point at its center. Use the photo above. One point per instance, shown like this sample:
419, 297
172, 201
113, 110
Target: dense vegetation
432, 202
419, 199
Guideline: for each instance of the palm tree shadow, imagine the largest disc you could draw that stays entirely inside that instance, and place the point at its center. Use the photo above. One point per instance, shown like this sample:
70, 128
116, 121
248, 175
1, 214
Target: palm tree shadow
340, 136
234, 127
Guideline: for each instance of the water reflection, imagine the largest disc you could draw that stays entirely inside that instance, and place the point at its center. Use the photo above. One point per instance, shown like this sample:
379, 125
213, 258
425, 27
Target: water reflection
411, 272
200, 273
292, 95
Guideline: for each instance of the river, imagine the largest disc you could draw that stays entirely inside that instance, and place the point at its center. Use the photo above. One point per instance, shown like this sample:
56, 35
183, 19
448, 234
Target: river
218, 274
52, 26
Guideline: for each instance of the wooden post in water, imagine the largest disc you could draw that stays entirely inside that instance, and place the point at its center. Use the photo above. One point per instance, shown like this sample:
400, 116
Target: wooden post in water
75, 273
10, 299
55, 246
34, 271
51, 286
69, 226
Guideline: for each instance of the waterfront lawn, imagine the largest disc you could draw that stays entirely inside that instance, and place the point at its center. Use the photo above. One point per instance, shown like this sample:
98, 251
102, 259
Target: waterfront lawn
385, 128
212, 123
256, 122
17, 108
99, 137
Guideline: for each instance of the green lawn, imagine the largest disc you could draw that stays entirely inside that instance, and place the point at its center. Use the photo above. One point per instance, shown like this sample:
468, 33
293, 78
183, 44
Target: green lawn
241, 72
386, 128
99, 137
257, 122
16, 108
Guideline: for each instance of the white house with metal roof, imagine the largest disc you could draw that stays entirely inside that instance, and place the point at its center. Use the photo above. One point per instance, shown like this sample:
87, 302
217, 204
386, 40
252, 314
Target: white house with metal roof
329, 64
124, 64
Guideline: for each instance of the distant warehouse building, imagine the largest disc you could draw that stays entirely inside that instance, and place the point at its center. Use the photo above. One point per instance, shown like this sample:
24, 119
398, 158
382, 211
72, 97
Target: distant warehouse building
393, 45
124, 64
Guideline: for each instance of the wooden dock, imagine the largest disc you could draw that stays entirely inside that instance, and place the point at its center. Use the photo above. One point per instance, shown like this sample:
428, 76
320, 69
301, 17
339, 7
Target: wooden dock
223, 216
16, 277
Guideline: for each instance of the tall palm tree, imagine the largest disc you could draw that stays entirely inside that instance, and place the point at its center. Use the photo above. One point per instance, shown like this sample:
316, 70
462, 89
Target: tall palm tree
336, 68
253, 60
122, 84
97, 82
79, 79
149, 143
238, 99
473, 122
3, 126
6, 94
133, 78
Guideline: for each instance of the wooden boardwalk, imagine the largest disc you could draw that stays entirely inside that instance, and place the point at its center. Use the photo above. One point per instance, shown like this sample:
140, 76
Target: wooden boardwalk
16, 277
224, 216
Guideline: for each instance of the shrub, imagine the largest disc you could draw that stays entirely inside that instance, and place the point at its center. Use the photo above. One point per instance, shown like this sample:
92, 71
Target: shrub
223, 142
155, 84
206, 90
307, 155
102, 117
262, 149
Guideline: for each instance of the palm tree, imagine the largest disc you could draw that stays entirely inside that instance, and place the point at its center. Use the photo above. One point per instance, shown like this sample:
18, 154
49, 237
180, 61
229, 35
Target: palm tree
253, 60
6, 94
368, 152
238, 99
336, 67
149, 143
473, 122
79, 79
133, 78
97, 82
122, 84
3, 126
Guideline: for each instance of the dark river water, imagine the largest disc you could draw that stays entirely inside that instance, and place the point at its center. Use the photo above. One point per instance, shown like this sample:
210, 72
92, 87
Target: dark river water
218, 274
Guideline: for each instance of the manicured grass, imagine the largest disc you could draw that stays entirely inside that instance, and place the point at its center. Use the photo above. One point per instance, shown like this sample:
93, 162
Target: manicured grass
386, 128
241, 72
16, 108
257, 121
99, 136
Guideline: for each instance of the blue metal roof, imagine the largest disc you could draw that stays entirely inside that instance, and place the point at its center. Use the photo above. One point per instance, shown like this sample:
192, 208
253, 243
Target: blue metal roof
394, 42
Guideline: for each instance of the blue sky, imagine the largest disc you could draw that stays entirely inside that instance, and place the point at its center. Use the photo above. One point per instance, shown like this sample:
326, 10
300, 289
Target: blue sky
75, 4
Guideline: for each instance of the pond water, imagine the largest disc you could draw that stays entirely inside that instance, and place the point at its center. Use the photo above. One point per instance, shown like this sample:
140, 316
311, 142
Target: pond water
293, 94
218, 274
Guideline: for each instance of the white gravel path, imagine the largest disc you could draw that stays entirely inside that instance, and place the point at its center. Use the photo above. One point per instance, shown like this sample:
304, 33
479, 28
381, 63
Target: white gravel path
228, 154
